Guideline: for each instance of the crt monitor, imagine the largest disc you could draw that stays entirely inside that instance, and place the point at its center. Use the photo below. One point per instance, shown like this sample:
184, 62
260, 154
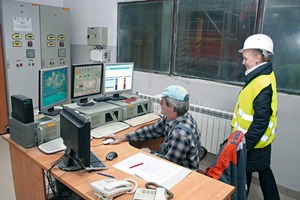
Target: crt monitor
53, 89
75, 132
117, 78
86, 80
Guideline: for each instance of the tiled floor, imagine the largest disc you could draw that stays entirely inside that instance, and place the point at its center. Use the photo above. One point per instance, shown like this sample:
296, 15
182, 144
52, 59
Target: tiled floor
7, 188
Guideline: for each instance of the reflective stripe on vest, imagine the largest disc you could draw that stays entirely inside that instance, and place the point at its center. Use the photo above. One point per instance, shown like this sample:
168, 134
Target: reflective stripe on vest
243, 114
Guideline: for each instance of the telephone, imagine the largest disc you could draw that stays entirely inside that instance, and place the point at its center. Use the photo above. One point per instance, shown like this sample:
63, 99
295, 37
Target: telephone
150, 194
107, 189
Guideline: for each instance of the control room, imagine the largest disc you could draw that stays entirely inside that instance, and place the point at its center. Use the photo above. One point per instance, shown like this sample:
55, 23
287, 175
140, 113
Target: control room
114, 69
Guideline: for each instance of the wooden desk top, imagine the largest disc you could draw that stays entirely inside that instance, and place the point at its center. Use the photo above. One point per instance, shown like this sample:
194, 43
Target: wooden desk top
194, 186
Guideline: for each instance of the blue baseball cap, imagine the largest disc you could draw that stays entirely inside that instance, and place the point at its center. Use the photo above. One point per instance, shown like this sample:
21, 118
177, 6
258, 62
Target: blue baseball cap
176, 92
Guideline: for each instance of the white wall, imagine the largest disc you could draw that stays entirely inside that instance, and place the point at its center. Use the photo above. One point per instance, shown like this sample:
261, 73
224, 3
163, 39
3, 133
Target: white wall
103, 13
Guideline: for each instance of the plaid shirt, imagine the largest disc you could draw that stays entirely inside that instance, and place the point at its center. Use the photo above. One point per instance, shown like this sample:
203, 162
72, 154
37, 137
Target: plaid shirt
182, 139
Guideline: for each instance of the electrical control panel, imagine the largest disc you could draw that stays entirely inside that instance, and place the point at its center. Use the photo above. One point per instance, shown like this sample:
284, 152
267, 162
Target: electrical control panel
34, 37
99, 55
55, 36
22, 54
97, 36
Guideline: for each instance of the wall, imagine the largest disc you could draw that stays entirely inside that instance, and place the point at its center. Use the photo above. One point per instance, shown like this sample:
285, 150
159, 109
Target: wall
103, 13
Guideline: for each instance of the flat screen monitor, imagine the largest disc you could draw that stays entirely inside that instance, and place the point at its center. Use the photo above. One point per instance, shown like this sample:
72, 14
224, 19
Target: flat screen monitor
117, 78
75, 132
86, 80
53, 89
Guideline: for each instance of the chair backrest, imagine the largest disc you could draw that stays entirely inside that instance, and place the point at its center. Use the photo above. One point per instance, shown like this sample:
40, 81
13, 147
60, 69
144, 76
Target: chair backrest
203, 152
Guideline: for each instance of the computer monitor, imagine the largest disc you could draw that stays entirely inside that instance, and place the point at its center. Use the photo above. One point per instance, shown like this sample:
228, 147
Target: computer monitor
53, 89
117, 78
86, 80
75, 132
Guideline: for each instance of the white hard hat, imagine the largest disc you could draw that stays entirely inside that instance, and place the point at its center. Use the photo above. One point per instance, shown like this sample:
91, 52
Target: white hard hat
258, 41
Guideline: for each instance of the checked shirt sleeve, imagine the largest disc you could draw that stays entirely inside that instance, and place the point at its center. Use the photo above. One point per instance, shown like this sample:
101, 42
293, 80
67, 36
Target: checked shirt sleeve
148, 132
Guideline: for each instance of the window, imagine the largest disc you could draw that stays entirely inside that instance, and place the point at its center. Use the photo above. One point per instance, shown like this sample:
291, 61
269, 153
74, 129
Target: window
201, 38
281, 22
209, 35
145, 35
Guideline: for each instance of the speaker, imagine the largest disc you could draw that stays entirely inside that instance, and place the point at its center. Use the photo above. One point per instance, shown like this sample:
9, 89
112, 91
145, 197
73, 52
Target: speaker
22, 109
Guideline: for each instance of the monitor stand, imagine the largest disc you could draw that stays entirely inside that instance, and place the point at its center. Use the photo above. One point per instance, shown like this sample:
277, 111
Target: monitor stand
52, 111
68, 162
85, 102
117, 97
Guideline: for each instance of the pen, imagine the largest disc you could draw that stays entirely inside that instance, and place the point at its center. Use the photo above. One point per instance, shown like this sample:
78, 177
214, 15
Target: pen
110, 176
135, 165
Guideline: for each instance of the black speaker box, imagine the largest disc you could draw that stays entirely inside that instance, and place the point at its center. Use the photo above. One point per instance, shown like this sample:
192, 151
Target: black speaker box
22, 109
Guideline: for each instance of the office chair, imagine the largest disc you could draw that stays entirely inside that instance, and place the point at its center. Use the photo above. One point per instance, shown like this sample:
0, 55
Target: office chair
203, 152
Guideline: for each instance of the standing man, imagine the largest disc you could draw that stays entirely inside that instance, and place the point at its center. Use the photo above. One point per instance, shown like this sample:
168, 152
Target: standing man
256, 111
182, 137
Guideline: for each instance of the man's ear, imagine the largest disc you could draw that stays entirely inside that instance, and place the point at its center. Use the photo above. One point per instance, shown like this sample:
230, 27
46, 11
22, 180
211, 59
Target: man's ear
173, 108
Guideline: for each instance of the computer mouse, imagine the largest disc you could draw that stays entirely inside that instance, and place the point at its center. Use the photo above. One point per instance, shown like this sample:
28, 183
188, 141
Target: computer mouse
108, 140
111, 155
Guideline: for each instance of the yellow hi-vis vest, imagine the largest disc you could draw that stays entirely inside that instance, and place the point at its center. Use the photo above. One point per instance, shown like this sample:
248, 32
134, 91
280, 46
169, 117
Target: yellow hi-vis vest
243, 113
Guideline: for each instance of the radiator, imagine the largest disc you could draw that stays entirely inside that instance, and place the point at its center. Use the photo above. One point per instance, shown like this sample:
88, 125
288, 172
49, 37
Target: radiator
213, 124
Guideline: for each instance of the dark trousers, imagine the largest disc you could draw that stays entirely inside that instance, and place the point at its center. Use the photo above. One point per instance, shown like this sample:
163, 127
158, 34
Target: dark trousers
267, 184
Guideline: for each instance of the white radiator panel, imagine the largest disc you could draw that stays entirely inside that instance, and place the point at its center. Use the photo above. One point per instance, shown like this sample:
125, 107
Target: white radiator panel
213, 124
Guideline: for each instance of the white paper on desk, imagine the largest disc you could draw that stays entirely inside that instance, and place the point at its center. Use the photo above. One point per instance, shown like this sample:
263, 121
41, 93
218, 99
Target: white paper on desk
153, 169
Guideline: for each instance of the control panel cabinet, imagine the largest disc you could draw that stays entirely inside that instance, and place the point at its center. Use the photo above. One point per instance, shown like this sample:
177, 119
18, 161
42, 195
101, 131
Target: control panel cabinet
34, 37
55, 36
22, 54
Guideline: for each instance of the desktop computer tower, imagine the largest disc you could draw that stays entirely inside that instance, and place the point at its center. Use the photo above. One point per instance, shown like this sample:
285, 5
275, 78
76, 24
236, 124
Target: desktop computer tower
134, 106
101, 113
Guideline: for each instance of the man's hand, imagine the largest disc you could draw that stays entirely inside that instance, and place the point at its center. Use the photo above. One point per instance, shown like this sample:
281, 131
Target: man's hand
117, 138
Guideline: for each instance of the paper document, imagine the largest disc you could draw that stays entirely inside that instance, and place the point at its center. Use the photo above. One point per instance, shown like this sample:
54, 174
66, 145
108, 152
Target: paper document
152, 169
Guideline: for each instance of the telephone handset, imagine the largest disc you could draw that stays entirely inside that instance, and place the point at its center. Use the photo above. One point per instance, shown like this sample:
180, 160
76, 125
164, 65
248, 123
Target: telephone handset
107, 189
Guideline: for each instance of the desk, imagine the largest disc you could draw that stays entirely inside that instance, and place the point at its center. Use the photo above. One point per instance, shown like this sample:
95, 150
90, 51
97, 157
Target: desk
28, 166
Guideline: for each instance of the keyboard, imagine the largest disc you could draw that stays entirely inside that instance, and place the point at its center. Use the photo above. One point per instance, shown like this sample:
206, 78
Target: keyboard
96, 163
142, 119
108, 129
52, 146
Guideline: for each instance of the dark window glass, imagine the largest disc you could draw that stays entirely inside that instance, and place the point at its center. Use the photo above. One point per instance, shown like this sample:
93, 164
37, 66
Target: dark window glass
204, 40
209, 35
282, 23
145, 34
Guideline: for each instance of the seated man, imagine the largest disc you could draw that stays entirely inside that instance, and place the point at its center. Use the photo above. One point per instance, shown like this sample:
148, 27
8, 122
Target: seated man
182, 137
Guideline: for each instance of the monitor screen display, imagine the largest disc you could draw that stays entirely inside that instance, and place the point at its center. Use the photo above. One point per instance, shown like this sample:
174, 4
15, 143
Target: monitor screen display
117, 78
86, 80
75, 131
53, 89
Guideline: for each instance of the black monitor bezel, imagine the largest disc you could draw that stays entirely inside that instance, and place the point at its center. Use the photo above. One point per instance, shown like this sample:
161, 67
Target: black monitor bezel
84, 98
